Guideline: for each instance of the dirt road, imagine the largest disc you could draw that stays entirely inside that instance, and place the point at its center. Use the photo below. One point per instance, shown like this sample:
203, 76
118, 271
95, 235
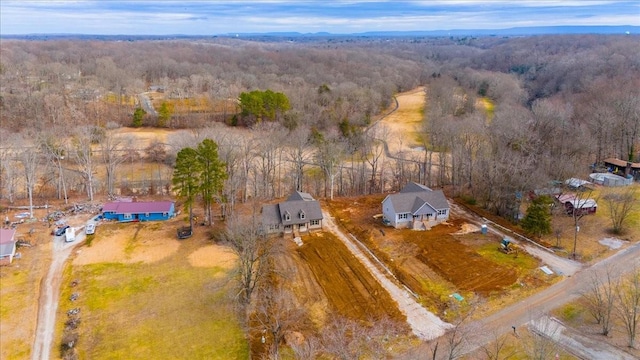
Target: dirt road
424, 324
49, 295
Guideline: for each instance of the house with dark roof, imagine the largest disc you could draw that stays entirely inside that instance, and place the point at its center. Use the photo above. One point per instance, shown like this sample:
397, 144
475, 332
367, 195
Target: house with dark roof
415, 206
300, 212
7, 245
127, 211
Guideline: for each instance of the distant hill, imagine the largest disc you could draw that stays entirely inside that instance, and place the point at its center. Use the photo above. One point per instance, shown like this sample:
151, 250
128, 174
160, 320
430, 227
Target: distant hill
518, 31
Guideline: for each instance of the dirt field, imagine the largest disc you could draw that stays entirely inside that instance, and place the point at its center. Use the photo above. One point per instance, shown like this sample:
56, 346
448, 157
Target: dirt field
347, 284
439, 262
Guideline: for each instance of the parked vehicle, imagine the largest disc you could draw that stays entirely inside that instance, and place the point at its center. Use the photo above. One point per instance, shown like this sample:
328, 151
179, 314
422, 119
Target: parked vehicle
90, 229
70, 234
61, 230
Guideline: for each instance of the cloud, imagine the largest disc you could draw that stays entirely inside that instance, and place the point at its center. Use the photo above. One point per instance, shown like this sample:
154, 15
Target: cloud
214, 17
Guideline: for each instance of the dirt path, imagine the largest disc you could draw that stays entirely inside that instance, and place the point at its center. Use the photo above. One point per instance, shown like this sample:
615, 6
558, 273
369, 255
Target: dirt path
424, 324
49, 296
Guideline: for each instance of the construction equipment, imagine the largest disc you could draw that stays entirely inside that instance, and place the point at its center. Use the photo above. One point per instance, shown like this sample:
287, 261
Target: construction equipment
508, 247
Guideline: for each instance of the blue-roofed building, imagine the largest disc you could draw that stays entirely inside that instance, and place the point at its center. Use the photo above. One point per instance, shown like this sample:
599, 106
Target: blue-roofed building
124, 211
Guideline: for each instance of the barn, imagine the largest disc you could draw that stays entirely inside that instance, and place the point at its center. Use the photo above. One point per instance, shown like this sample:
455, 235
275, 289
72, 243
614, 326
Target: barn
125, 211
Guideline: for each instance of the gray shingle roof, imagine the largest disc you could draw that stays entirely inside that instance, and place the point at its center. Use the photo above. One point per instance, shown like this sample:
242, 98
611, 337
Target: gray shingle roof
297, 204
413, 196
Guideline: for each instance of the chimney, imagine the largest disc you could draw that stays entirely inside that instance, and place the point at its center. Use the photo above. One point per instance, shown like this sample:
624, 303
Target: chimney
627, 170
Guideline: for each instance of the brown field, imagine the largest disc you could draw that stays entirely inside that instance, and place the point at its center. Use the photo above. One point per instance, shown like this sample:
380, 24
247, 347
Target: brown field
347, 284
438, 262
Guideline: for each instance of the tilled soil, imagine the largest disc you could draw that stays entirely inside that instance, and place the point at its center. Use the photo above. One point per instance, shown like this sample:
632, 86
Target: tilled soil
349, 287
439, 254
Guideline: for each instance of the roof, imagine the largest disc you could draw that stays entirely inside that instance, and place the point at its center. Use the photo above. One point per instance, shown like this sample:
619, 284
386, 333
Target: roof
7, 241
141, 207
583, 203
621, 163
414, 196
576, 183
296, 204
6, 235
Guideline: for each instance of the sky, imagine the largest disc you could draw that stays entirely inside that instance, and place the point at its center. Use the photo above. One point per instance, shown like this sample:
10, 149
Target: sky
193, 17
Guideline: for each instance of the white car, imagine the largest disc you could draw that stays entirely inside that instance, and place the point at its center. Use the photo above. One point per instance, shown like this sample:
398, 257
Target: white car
90, 229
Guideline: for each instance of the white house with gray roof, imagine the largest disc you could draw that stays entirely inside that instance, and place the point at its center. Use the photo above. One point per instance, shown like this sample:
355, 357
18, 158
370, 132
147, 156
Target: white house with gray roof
300, 212
415, 206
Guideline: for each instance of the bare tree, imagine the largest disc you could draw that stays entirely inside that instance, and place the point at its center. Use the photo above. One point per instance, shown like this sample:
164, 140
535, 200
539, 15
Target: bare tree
329, 158
620, 205
112, 157
30, 158
54, 150
82, 153
348, 339
277, 313
8, 170
628, 305
577, 213
299, 154
540, 344
253, 249
498, 349
600, 299
452, 344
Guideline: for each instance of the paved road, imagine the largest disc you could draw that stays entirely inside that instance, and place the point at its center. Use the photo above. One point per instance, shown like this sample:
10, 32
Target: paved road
424, 324
551, 298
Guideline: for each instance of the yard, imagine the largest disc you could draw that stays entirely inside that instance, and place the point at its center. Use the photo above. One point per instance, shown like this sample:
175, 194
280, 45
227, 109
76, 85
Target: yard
453, 257
143, 294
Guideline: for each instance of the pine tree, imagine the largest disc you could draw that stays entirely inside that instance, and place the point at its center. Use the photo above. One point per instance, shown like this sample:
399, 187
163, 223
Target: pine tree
537, 221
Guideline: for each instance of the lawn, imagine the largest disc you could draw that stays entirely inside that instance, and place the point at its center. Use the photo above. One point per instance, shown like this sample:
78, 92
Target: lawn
19, 287
165, 308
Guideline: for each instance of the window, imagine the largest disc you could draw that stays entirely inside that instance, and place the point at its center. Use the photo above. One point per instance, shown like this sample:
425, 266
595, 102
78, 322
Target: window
301, 214
287, 216
127, 216
403, 216
442, 212
315, 222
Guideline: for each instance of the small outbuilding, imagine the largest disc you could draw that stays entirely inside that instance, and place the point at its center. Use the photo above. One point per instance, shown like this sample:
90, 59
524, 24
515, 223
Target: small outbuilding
125, 211
7, 245
415, 206
572, 205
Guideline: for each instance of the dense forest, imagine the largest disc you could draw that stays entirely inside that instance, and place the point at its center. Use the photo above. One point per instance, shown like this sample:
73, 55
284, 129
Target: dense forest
553, 106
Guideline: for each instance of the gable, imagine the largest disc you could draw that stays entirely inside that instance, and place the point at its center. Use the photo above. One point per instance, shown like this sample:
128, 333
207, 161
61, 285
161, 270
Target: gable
415, 201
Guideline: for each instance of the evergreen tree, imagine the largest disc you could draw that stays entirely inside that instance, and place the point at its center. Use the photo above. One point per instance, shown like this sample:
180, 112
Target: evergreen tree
186, 178
138, 116
212, 174
537, 221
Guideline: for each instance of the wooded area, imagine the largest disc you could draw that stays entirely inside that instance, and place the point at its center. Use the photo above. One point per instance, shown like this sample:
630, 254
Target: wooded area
510, 114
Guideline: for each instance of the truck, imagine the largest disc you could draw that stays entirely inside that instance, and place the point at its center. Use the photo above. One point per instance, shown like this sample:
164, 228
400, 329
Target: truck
70, 234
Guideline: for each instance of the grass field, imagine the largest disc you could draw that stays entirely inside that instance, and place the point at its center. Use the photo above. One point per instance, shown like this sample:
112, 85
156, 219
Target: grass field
162, 309
19, 289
